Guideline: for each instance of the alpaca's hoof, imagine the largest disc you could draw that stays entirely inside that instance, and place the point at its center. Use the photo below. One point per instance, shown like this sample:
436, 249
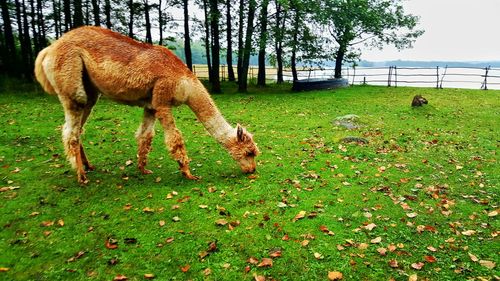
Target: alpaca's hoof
191, 177
89, 167
82, 179
146, 171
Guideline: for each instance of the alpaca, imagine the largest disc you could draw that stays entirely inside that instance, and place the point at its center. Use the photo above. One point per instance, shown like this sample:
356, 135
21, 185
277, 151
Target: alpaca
91, 61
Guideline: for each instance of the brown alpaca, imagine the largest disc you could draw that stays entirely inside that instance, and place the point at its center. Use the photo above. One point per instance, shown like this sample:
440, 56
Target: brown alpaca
89, 61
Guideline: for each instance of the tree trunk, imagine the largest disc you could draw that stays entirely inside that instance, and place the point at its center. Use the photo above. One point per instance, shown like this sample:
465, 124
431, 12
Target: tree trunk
207, 41
87, 13
214, 27
131, 19
10, 44
160, 22
280, 24
107, 12
57, 17
240, 38
25, 57
36, 40
78, 17
339, 58
41, 25
261, 77
67, 15
229, 55
187, 37
295, 42
96, 11
149, 39
27, 39
243, 80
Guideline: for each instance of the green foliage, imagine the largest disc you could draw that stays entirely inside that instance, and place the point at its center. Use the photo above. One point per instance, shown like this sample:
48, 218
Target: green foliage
426, 185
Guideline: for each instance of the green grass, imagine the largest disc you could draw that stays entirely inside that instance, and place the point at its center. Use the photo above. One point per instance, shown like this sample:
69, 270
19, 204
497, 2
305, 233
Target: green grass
438, 162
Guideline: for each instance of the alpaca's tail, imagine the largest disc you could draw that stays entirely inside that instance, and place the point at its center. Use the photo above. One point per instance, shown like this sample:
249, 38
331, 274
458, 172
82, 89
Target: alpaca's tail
40, 73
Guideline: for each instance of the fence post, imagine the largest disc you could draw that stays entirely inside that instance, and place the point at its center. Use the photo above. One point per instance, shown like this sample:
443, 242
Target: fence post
395, 76
389, 76
485, 82
354, 74
437, 77
442, 77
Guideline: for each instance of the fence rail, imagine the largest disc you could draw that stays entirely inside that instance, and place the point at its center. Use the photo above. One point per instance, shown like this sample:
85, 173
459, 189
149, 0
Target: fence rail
439, 77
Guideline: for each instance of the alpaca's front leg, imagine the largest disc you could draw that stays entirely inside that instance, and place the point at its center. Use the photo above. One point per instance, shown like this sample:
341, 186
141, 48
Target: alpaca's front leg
174, 141
144, 137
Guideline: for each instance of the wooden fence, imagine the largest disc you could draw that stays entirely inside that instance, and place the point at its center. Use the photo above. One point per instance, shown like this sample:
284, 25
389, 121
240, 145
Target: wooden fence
392, 76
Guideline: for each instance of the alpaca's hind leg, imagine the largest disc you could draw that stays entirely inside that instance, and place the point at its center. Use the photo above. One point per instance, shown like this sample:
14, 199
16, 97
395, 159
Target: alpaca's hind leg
72, 128
174, 141
144, 138
91, 101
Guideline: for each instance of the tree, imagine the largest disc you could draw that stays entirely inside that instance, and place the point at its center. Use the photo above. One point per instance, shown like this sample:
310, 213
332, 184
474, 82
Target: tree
149, 38
10, 45
261, 77
187, 37
96, 12
78, 17
229, 38
279, 30
67, 15
215, 46
107, 12
243, 78
206, 40
373, 22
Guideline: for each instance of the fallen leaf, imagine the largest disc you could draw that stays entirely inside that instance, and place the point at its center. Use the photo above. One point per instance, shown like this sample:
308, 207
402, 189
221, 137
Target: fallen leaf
473, 257
148, 210
47, 223
120, 277
253, 260
60, 222
8, 188
469, 232
304, 243
382, 251
393, 263
363, 246
417, 265
207, 271
299, 216
275, 254
334, 275
413, 277
411, 215
202, 206
185, 268
221, 222
266, 262
493, 213
370, 226
259, 277
169, 240
128, 162
176, 219
4, 269
432, 249
111, 244
149, 276
161, 223
430, 259
77, 256
487, 264
391, 248
376, 240
318, 256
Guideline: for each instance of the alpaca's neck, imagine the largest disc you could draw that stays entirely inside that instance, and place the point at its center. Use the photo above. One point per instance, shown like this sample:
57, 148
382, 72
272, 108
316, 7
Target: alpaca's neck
203, 106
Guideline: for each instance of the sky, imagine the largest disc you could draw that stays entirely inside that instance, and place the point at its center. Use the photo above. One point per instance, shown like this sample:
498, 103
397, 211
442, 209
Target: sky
455, 30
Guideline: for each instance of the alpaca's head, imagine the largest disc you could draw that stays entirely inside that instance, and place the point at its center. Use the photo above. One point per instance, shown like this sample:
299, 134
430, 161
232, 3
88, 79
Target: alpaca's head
243, 149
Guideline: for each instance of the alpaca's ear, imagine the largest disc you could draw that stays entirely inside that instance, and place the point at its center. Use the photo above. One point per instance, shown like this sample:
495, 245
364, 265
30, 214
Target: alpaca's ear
239, 133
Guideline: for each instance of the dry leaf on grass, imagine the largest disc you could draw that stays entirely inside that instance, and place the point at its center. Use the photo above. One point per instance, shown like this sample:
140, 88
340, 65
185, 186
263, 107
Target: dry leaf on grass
334, 275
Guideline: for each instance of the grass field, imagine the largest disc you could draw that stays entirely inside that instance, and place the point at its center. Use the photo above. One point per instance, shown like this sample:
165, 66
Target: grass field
420, 200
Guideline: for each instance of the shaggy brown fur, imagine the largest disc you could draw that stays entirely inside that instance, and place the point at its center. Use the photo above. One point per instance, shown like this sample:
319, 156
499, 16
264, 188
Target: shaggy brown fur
89, 61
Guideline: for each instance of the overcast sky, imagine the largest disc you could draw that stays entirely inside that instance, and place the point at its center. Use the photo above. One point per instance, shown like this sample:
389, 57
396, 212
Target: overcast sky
455, 30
